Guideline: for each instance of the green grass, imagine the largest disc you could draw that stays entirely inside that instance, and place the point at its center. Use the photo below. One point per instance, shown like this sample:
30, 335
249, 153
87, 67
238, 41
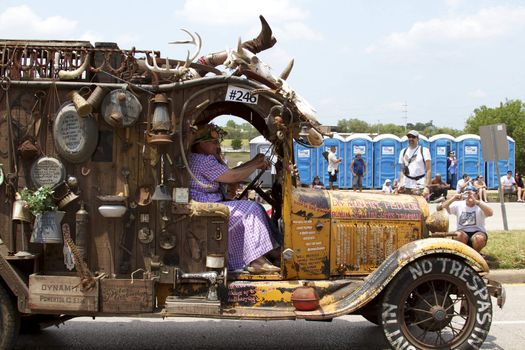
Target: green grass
228, 142
505, 249
234, 157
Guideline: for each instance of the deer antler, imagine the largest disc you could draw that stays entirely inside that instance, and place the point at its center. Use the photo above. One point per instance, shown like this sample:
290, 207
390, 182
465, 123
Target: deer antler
195, 40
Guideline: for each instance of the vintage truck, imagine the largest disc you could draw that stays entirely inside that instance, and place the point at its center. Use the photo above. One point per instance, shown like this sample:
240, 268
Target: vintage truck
107, 132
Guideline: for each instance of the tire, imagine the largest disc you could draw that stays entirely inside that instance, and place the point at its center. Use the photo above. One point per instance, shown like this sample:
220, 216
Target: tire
436, 303
9, 320
372, 313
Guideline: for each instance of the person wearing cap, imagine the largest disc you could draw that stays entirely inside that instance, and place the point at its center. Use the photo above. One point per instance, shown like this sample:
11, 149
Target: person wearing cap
452, 169
508, 183
358, 169
387, 187
333, 166
249, 227
414, 160
438, 189
471, 214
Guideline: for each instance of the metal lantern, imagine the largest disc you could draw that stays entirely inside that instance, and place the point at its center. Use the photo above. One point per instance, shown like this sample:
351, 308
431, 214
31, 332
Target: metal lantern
159, 126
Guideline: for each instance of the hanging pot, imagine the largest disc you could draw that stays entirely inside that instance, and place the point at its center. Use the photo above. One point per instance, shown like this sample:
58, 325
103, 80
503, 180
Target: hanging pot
47, 227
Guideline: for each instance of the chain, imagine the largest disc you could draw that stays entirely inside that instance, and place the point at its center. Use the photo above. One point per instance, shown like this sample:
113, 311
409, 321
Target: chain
87, 281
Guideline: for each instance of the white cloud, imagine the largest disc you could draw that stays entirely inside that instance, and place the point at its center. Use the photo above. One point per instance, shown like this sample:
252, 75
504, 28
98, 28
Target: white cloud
228, 12
236, 12
484, 26
479, 93
22, 22
298, 30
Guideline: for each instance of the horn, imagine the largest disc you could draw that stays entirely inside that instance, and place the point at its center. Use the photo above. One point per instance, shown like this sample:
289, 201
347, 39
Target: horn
81, 105
96, 97
286, 71
69, 75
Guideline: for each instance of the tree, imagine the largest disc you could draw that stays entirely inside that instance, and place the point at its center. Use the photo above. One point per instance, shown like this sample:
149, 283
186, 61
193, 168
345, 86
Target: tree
353, 125
231, 124
236, 143
511, 113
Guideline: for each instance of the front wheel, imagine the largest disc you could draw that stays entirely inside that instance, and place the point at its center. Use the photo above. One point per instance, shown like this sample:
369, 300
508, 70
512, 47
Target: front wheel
9, 320
436, 303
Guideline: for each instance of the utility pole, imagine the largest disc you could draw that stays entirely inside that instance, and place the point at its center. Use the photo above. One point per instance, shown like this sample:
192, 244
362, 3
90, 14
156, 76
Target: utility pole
405, 114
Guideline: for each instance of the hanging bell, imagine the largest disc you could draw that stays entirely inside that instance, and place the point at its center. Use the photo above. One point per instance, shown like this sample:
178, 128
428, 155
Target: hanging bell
161, 193
20, 211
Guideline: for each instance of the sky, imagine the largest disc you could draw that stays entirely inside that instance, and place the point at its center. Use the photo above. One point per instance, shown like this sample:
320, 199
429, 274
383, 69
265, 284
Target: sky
382, 61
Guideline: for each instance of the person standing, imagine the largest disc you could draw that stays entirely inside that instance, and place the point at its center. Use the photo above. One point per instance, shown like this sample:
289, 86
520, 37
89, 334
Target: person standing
415, 175
333, 166
471, 214
358, 169
452, 169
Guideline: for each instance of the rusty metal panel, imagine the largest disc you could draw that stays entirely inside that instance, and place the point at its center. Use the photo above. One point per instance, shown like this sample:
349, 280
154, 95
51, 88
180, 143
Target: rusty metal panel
360, 246
310, 222
126, 296
61, 293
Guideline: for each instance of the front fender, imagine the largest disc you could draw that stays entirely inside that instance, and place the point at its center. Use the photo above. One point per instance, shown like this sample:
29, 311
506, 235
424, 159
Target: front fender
379, 279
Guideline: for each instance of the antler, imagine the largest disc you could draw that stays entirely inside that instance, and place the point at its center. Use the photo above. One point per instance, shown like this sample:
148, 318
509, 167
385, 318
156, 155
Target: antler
195, 40
178, 70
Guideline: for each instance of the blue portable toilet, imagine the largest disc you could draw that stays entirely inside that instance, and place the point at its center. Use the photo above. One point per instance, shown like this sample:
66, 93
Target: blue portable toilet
423, 141
322, 164
260, 145
306, 161
440, 145
386, 156
360, 143
469, 156
492, 180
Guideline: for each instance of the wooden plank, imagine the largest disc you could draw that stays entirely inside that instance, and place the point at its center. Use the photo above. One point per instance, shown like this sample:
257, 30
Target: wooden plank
126, 296
61, 293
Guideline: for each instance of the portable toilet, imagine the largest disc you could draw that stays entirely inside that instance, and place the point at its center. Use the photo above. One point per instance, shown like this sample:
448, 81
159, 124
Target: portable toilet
322, 164
440, 146
469, 156
360, 143
492, 180
306, 161
260, 145
386, 156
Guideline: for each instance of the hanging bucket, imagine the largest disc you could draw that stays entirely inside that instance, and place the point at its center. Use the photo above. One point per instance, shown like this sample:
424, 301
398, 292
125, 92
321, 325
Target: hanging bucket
47, 227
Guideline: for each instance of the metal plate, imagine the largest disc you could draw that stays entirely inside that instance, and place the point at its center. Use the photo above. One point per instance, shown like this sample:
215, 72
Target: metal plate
47, 171
75, 137
121, 108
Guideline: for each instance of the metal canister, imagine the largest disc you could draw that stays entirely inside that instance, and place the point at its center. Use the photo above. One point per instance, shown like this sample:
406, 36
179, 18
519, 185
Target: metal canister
82, 221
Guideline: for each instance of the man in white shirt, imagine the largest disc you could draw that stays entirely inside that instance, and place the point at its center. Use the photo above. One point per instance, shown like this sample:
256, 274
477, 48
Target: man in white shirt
471, 214
508, 184
333, 166
463, 183
415, 175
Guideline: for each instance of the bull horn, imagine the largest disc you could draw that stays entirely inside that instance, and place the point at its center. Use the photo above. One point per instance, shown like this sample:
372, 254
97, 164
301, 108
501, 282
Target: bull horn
286, 71
69, 75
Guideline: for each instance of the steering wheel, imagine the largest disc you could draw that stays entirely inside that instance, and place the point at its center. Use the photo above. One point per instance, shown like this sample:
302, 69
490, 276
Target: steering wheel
253, 185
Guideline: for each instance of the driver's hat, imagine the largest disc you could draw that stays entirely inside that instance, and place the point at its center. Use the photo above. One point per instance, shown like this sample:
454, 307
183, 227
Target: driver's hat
209, 132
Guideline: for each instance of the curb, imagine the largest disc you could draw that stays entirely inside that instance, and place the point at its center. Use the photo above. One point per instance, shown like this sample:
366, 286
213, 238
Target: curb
507, 276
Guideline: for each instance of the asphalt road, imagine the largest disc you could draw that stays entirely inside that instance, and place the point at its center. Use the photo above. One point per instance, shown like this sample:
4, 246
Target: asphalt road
515, 216
349, 332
